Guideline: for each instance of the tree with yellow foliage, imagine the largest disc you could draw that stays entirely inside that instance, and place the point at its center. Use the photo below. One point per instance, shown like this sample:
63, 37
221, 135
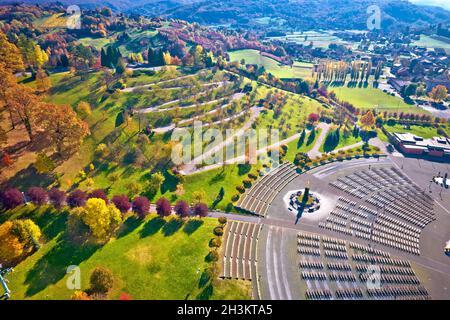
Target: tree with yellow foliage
84, 109
10, 55
102, 219
10, 246
167, 58
19, 237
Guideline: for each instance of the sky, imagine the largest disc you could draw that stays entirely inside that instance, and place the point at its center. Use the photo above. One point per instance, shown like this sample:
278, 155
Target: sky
440, 3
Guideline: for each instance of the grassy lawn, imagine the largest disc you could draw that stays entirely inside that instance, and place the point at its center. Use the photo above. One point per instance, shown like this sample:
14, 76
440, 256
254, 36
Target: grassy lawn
154, 259
292, 118
373, 98
298, 70
343, 142
97, 43
210, 183
294, 147
425, 132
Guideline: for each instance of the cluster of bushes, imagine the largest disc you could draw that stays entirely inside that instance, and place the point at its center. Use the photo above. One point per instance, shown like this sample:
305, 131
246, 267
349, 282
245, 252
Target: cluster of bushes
305, 163
216, 242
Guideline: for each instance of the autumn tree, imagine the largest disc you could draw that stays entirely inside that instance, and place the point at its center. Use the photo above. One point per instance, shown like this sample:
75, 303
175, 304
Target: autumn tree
163, 207
7, 81
101, 280
122, 203
368, 120
102, 219
23, 102
10, 55
57, 198
37, 195
181, 208
84, 109
439, 93
11, 198
200, 209
10, 246
43, 82
62, 125
19, 237
141, 206
44, 164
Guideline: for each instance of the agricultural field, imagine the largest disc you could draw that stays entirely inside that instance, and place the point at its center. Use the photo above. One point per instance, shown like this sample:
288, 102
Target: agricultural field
298, 69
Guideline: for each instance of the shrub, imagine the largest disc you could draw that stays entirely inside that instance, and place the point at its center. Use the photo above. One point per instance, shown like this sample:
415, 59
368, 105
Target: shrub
163, 207
213, 256
77, 198
57, 198
101, 280
218, 231
141, 206
252, 176
235, 198
99, 194
215, 243
200, 209
181, 208
222, 220
122, 203
11, 198
241, 189
37, 195
247, 183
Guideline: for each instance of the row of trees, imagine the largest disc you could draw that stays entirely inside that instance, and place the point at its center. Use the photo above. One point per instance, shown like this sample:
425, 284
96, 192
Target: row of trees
12, 197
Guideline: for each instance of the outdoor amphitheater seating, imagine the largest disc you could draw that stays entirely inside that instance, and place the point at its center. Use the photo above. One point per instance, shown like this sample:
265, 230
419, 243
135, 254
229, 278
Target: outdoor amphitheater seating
258, 198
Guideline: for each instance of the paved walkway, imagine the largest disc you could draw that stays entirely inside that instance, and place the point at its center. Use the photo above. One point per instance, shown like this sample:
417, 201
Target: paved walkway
314, 152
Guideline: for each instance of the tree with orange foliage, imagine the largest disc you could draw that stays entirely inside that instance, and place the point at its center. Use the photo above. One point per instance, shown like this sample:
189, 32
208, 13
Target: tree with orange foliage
7, 81
23, 101
62, 125
80, 295
368, 120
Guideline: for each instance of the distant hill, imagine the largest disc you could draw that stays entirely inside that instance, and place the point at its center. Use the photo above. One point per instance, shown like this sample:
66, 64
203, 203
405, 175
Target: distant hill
295, 14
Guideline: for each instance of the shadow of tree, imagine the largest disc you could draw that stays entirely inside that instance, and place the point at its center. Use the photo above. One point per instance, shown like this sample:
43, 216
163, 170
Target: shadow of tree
206, 293
172, 226
152, 227
170, 183
191, 226
52, 267
204, 279
28, 177
129, 226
